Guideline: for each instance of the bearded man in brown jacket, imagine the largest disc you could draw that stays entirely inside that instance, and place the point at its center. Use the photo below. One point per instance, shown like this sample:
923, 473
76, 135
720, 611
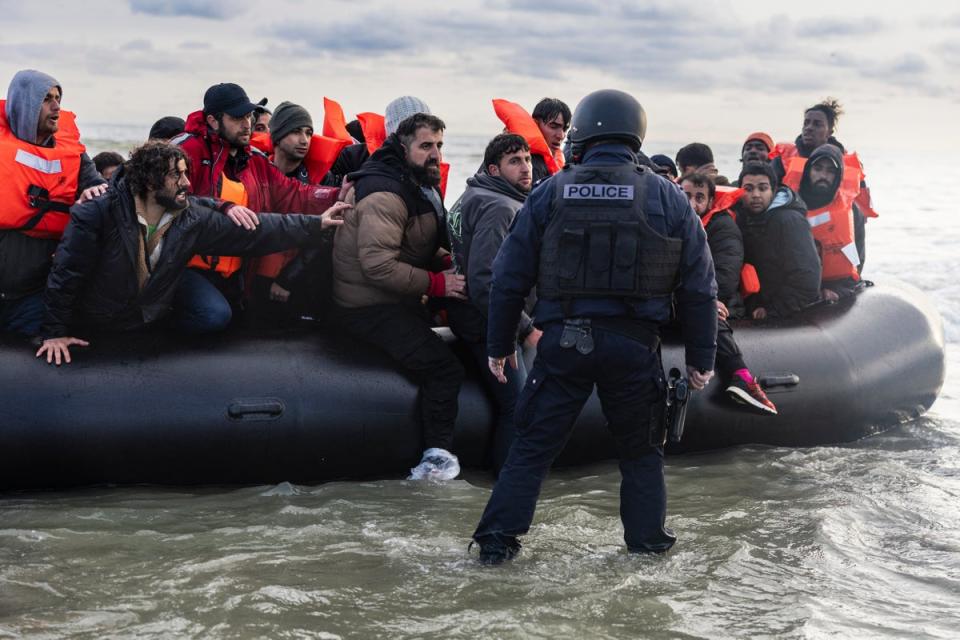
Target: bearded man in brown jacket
391, 262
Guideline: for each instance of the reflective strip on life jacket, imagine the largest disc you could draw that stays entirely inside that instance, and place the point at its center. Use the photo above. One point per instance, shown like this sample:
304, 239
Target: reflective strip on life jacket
231, 191
832, 225
518, 121
39, 183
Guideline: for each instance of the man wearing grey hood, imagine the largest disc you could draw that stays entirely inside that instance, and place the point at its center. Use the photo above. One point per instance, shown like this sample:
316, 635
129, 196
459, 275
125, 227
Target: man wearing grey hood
36, 162
478, 225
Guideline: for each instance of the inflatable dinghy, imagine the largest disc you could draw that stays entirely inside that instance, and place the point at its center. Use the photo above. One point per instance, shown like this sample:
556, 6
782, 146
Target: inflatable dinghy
310, 405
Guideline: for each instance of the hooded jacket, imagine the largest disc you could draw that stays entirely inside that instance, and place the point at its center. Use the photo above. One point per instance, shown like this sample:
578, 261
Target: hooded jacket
266, 186
817, 200
24, 260
779, 244
392, 238
487, 209
94, 276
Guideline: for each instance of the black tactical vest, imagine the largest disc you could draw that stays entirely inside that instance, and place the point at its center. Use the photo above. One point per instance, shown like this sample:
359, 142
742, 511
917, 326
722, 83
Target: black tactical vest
598, 243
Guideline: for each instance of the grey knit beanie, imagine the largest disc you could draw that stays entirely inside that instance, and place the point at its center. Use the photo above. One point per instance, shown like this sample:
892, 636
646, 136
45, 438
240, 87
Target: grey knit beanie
286, 118
401, 109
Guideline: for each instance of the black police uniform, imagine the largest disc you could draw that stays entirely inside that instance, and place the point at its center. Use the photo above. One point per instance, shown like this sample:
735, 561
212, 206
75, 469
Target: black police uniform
606, 243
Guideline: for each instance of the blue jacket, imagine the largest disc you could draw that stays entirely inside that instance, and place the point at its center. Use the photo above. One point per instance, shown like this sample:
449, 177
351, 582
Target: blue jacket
668, 212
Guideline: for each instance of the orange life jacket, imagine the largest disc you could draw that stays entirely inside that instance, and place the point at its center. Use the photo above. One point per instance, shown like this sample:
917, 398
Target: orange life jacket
833, 224
39, 183
724, 198
334, 122
374, 130
261, 140
786, 151
518, 121
749, 280
235, 192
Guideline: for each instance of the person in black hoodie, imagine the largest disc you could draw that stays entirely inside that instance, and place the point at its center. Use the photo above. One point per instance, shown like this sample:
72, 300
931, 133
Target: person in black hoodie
121, 263
726, 247
487, 208
778, 242
822, 176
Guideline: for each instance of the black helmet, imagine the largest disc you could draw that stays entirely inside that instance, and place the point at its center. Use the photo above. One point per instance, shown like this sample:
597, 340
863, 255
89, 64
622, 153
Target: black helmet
609, 113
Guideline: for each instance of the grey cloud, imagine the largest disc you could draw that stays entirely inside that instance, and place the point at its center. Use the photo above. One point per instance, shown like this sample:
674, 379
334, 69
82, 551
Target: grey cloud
137, 45
212, 9
576, 7
834, 27
372, 36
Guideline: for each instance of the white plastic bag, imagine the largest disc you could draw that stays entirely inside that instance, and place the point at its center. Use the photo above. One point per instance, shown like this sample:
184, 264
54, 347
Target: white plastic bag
437, 465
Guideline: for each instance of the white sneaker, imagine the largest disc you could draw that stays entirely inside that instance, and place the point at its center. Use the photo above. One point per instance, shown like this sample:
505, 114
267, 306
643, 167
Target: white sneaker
437, 464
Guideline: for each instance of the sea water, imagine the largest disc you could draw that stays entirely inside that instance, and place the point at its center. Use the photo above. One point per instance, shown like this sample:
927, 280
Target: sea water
850, 541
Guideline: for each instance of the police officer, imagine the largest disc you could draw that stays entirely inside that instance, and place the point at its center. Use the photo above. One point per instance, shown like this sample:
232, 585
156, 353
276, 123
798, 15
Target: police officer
607, 243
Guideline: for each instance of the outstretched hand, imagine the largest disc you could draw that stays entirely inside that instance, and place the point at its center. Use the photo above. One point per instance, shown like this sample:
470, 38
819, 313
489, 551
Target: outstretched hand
58, 349
243, 217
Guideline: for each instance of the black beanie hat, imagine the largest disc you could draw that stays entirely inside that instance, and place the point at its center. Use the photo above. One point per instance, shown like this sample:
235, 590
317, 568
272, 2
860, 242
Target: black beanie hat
288, 117
166, 128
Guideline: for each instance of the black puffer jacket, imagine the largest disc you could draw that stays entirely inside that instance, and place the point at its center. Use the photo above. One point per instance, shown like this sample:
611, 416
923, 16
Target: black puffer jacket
726, 245
94, 275
779, 243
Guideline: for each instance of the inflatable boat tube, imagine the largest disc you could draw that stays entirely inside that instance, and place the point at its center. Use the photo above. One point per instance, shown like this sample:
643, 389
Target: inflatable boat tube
312, 406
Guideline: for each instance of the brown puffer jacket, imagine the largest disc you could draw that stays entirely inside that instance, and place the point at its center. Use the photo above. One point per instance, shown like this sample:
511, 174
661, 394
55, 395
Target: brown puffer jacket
391, 239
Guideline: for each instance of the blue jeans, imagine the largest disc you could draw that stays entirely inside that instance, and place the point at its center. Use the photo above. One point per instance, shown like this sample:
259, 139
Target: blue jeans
22, 315
198, 306
629, 381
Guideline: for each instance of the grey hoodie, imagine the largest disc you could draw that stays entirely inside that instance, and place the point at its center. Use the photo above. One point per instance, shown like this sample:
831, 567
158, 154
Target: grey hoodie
24, 98
24, 260
487, 209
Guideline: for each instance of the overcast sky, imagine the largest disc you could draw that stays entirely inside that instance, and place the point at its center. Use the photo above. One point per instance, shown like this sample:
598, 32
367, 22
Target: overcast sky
707, 71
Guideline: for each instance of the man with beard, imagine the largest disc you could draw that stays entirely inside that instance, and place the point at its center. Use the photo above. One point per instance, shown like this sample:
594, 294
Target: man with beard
829, 184
123, 255
45, 169
390, 259
778, 242
223, 165
487, 208
819, 125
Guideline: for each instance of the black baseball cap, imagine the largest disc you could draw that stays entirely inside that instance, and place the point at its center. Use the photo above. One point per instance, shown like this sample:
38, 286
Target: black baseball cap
227, 97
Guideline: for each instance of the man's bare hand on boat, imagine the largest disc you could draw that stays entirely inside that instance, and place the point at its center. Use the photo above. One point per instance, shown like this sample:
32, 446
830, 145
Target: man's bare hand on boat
58, 349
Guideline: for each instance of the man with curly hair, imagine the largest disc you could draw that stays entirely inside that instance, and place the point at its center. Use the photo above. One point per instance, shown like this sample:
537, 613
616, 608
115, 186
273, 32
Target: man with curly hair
122, 259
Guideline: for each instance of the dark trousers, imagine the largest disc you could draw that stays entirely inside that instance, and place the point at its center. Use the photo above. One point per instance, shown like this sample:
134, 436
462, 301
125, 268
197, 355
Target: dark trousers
199, 306
471, 327
403, 332
22, 315
729, 357
629, 381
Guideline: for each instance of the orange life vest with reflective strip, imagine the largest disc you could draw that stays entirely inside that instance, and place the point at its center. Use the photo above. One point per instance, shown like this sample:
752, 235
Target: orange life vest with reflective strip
235, 192
833, 224
39, 184
518, 121
787, 151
